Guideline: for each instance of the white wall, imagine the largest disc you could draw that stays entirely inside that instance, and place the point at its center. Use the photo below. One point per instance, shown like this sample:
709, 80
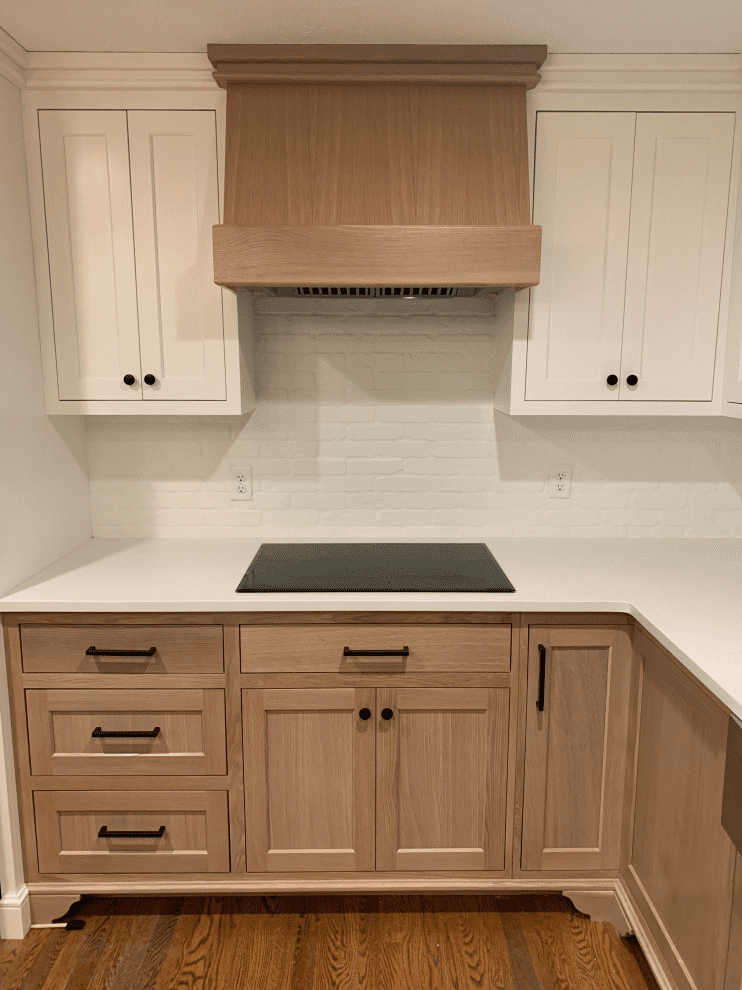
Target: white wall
375, 425
44, 492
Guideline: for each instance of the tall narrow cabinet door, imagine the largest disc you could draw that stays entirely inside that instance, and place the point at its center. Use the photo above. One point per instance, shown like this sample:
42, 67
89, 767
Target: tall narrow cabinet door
582, 199
441, 778
175, 197
575, 747
682, 166
309, 779
87, 197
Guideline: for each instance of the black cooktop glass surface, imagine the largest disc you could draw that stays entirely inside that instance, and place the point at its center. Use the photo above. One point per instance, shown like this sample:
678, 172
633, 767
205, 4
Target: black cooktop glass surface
374, 567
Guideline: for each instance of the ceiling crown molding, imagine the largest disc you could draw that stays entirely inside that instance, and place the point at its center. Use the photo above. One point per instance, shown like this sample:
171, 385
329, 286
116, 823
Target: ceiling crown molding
560, 74
641, 74
13, 60
184, 71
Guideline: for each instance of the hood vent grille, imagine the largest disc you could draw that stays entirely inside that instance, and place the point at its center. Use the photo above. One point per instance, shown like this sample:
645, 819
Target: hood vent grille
372, 292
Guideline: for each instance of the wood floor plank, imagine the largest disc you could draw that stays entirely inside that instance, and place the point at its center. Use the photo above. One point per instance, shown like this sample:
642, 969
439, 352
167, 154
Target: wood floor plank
364, 942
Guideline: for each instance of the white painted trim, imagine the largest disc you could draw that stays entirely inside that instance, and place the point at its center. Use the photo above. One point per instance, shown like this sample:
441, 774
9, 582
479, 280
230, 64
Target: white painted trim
13, 60
119, 71
641, 74
15, 915
15, 910
589, 75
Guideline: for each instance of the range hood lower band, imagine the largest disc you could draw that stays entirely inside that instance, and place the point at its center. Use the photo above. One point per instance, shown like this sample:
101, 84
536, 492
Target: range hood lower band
476, 256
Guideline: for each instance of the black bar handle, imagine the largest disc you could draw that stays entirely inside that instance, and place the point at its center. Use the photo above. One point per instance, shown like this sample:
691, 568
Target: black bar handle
541, 677
99, 733
92, 651
404, 652
127, 834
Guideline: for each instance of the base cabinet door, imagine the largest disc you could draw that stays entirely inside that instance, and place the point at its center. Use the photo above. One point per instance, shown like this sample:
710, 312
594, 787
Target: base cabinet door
576, 743
682, 861
309, 779
441, 778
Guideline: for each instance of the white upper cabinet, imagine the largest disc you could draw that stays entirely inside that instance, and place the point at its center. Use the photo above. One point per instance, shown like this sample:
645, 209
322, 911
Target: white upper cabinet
129, 200
87, 196
682, 164
175, 200
582, 199
634, 210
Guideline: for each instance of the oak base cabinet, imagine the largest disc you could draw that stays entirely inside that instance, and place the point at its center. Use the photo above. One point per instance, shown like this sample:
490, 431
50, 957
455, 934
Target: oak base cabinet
577, 725
352, 779
682, 861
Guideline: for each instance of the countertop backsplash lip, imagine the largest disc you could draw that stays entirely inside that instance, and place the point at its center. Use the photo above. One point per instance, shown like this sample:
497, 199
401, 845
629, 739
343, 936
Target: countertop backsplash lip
685, 592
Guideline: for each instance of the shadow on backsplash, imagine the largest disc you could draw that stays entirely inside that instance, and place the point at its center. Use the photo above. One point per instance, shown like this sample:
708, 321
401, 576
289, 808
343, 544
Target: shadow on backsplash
371, 425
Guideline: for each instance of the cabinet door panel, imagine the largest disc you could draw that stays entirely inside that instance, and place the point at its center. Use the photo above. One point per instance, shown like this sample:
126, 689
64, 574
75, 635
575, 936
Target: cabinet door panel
309, 779
441, 779
176, 202
582, 199
681, 856
682, 165
87, 196
575, 748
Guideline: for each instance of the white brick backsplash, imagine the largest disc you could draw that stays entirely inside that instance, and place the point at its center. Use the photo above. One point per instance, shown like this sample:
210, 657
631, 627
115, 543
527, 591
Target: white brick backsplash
377, 425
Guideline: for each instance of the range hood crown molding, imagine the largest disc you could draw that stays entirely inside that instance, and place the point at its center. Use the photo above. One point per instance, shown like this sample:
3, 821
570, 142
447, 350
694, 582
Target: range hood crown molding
376, 165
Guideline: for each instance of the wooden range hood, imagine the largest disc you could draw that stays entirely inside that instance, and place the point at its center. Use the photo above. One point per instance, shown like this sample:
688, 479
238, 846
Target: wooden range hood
376, 166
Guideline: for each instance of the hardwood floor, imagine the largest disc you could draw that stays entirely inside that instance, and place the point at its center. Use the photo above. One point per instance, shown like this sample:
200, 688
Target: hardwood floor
517, 942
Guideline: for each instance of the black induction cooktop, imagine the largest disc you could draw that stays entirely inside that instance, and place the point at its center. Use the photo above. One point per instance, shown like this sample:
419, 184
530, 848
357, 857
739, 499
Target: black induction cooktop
374, 567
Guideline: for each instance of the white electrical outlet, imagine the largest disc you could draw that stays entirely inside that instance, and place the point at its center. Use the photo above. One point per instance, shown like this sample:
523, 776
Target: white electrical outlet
240, 484
560, 481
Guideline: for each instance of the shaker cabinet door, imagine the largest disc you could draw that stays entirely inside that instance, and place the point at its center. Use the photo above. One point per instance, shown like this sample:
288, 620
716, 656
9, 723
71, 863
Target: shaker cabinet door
175, 198
309, 779
576, 740
682, 164
87, 199
441, 778
582, 199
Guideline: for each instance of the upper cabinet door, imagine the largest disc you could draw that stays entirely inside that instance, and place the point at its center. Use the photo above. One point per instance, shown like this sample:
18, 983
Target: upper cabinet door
582, 199
87, 195
682, 168
175, 198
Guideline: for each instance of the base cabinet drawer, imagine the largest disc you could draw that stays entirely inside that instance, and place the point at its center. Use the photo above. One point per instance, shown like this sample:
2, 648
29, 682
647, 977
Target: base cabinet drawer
126, 732
132, 831
111, 649
433, 647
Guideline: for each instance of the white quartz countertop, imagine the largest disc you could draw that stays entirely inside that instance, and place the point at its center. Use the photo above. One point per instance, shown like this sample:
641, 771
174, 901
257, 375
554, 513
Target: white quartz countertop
687, 593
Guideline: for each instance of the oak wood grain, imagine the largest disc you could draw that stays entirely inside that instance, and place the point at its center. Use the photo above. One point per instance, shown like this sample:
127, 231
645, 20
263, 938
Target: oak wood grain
431, 648
50, 649
251, 256
191, 738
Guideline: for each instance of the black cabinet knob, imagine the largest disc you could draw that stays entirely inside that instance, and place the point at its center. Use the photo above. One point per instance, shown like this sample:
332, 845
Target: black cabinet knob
365, 714
632, 380
386, 714
612, 379
129, 379
149, 379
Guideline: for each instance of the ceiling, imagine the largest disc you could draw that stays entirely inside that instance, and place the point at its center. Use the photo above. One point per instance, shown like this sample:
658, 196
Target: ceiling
564, 25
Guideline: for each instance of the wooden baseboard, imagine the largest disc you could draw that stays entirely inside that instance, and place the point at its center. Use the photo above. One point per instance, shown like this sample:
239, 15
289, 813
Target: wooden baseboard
655, 950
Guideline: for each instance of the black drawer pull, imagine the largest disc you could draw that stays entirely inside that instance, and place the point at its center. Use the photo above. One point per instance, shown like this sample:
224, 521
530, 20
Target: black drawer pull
99, 733
404, 652
92, 651
541, 677
128, 834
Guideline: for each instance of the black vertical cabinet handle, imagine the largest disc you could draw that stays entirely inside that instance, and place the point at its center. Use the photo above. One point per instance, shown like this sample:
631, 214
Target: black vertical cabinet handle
541, 677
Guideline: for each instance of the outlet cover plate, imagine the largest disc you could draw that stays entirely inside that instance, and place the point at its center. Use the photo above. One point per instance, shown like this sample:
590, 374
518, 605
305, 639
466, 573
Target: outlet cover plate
560, 481
240, 484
